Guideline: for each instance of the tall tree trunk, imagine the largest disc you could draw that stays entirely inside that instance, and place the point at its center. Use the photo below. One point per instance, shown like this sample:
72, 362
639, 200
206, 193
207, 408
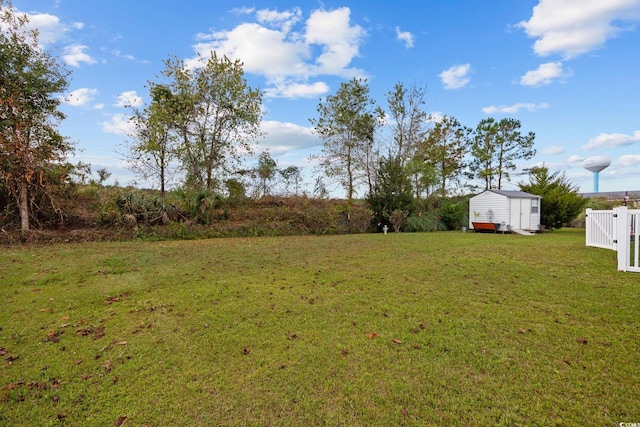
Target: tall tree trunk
162, 185
350, 176
23, 206
443, 186
500, 172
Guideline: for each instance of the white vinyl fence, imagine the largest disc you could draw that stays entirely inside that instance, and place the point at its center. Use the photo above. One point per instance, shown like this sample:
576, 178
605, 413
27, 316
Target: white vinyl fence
616, 230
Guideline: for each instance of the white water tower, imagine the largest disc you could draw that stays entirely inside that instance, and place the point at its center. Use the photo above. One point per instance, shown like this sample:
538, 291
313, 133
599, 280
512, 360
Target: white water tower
595, 164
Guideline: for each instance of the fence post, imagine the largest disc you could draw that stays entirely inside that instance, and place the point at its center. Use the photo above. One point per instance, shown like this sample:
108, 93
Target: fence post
588, 226
622, 235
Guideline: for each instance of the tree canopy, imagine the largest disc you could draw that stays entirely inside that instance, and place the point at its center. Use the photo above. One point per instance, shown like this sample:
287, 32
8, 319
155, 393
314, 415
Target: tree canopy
206, 117
346, 124
406, 106
444, 150
561, 202
154, 144
495, 149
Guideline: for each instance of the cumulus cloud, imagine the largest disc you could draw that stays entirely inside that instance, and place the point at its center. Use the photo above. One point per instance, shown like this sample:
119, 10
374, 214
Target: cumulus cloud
512, 109
612, 140
50, 28
552, 151
456, 77
574, 27
263, 51
282, 137
129, 99
75, 54
405, 37
338, 39
544, 74
118, 124
283, 20
81, 97
325, 44
297, 90
628, 160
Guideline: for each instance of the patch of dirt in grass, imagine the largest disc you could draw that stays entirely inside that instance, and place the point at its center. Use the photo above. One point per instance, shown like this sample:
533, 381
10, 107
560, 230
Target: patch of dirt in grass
96, 331
20, 391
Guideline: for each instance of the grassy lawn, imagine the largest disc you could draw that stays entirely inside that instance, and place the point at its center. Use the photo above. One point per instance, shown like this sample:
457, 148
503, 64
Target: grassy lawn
444, 328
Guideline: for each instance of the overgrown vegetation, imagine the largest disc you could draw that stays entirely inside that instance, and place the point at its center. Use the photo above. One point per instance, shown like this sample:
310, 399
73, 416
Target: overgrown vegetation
403, 329
93, 211
32, 151
96, 212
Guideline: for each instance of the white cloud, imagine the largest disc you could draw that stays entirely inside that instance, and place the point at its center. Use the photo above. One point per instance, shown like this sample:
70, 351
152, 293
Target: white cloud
81, 97
552, 151
283, 20
455, 77
119, 54
339, 40
612, 140
262, 50
50, 29
129, 99
270, 47
243, 10
544, 74
405, 37
75, 54
576, 159
282, 137
512, 109
297, 90
118, 124
574, 27
628, 160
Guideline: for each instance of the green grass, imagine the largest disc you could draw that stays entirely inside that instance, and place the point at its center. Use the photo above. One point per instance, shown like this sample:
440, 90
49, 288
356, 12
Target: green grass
441, 328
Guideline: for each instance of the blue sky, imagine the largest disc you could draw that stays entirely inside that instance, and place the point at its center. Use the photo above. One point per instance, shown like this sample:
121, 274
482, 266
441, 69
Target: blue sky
567, 69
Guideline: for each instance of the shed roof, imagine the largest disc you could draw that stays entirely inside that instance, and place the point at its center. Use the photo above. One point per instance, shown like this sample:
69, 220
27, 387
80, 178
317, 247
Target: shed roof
514, 193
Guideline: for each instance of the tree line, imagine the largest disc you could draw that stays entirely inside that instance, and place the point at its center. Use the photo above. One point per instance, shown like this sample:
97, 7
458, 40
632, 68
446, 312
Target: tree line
423, 156
200, 123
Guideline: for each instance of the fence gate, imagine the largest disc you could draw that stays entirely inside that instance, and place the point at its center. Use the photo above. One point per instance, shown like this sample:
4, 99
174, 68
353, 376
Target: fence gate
616, 230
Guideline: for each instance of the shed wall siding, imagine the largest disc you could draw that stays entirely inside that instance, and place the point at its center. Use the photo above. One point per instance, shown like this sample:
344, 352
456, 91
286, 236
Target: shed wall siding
488, 207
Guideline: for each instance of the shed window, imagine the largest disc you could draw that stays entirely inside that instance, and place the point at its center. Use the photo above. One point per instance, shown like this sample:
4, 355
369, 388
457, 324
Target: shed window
534, 206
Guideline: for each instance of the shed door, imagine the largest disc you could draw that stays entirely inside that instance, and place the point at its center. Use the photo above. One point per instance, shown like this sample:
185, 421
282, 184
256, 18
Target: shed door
520, 214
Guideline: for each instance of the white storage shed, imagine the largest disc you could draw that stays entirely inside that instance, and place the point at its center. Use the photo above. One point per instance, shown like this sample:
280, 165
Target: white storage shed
512, 210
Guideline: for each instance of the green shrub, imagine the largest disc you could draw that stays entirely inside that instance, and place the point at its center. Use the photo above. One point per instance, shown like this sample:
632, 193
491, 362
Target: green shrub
452, 215
424, 221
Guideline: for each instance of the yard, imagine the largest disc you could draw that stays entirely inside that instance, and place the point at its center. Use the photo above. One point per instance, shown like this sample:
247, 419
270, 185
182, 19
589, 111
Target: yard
443, 328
